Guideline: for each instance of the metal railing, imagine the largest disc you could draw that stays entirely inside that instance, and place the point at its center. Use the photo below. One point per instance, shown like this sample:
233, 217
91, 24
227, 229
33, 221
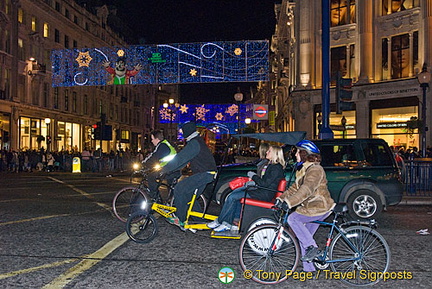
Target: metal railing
418, 178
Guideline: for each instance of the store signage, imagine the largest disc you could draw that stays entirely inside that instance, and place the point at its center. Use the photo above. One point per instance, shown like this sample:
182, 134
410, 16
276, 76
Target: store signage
391, 125
396, 92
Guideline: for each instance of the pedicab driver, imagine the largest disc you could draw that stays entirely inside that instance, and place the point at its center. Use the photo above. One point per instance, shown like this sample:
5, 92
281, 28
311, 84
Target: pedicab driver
163, 153
310, 194
203, 167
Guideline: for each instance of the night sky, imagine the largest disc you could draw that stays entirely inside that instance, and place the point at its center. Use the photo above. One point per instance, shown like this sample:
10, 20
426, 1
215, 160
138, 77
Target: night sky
183, 21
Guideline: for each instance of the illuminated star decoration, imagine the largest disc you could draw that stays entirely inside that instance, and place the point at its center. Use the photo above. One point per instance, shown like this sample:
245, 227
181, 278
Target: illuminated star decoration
200, 112
183, 108
120, 53
193, 72
219, 116
231, 110
165, 114
84, 59
238, 51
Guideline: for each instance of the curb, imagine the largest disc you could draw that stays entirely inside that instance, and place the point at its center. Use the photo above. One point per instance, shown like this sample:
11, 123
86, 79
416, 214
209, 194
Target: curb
416, 201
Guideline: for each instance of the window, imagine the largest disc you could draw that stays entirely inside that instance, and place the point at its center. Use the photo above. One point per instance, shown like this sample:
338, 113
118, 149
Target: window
74, 101
56, 98
57, 6
376, 155
400, 59
85, 104
66, 41
21, 53
75, 44
75, 19
57, 36
46, 30
67, 13
20, 15
341, 62
339, 12
66, 100
398, 5
339, 155
46, 95
33, 23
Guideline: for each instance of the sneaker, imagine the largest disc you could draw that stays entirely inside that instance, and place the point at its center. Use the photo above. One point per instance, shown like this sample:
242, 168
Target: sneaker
175, 221
311, 253
223, 227
213, 224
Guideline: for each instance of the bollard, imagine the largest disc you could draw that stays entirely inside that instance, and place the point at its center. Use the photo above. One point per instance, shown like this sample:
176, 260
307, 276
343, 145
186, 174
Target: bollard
76, 165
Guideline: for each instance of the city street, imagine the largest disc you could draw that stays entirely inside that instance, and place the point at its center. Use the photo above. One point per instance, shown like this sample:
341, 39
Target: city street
57, 231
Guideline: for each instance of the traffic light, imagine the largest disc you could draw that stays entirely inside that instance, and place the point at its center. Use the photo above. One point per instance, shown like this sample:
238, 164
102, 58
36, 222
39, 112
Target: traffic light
343, 94
96, 130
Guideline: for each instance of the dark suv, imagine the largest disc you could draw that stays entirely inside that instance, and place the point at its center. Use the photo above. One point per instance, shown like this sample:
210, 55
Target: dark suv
360, 172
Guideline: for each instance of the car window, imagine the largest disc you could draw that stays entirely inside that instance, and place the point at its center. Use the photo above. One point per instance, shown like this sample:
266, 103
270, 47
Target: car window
338, 155
376, 155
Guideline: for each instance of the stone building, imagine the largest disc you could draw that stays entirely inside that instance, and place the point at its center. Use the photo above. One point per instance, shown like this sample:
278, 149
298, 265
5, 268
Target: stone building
380, 44
33, 114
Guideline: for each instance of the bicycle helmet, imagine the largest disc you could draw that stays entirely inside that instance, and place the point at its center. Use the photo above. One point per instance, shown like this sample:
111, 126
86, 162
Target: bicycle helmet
308, 146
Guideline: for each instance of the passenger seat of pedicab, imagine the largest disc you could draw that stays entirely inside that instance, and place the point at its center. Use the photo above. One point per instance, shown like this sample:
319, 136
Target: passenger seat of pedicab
254, 209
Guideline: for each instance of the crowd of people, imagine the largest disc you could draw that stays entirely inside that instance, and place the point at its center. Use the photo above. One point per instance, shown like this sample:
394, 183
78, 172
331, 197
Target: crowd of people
91, 160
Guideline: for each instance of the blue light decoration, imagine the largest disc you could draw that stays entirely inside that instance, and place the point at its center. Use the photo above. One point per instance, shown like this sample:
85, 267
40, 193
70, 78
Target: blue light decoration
208, 115
238, 61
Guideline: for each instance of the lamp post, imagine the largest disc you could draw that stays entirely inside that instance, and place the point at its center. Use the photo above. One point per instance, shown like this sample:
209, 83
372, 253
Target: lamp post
238, 97
424, 77
170, 105
48, 137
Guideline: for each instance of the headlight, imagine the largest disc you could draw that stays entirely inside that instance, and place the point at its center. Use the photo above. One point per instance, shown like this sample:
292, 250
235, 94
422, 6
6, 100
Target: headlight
157, 167
136, 166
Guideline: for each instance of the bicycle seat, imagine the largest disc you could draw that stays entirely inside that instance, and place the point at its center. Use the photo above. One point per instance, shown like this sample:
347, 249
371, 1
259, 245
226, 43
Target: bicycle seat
340, 208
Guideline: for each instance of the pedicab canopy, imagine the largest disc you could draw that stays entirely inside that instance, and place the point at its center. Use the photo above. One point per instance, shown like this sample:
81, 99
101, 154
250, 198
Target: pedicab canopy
288, 138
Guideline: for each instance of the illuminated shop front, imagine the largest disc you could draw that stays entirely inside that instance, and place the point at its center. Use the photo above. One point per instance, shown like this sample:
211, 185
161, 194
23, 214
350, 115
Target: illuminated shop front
68, 136
396, 125
33, 133
4, 131
343, 125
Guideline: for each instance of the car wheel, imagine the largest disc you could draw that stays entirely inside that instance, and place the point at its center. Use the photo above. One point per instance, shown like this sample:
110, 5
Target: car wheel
364, 204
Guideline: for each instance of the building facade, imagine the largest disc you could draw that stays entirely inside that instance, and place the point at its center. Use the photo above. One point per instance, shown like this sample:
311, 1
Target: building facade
380, 44
33, 114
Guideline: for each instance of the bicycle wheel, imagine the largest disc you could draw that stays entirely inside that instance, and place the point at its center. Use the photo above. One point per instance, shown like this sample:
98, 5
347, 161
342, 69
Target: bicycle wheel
141, 227
374, 255
127, 201
267, 256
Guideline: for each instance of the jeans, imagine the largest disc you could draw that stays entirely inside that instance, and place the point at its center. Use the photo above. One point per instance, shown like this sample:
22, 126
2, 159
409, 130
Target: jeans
304, 230
232, 206
185, 189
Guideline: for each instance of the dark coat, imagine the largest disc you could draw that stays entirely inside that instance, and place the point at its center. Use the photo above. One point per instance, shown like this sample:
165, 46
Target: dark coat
274, 173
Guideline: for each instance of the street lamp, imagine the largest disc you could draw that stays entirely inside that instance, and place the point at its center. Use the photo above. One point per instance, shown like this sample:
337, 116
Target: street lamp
343, 122
424, 77
169, 105
48, 137
238, 97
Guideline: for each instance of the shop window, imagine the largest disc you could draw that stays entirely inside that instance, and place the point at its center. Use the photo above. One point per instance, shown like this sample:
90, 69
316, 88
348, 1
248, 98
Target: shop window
342, 12
391, 124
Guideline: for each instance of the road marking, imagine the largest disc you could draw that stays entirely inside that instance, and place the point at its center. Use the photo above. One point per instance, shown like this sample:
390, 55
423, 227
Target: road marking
81, 192
33, 219
89, 262
28, 270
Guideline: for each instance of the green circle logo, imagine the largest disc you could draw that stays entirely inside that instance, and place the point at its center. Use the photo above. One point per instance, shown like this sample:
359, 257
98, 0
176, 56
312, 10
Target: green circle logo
226, 275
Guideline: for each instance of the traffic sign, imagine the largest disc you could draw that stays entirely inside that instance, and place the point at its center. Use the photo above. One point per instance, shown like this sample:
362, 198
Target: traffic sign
260, 111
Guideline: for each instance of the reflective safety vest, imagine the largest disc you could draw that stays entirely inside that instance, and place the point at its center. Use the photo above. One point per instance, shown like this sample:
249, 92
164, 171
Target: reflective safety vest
163, 161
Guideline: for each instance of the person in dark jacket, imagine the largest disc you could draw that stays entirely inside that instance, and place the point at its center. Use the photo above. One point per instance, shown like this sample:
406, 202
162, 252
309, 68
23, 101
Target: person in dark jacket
271, 174
163, 153
202, 165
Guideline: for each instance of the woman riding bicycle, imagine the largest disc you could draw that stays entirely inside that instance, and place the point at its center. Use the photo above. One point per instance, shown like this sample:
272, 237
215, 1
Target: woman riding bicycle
310, 193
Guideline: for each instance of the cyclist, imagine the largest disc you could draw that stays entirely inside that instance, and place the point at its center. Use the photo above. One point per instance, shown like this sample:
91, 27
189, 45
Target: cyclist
310, 193
202, 165
161, 155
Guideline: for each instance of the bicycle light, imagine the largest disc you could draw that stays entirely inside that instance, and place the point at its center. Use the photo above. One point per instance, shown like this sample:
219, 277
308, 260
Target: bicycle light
136, 166
144, 205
